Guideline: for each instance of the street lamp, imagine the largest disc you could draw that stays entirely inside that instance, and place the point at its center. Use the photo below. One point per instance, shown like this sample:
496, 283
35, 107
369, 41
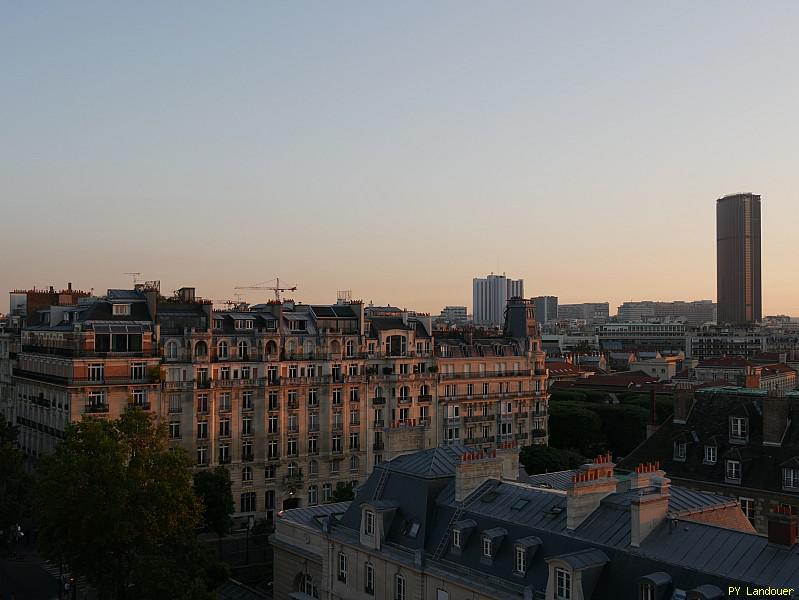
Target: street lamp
250, 523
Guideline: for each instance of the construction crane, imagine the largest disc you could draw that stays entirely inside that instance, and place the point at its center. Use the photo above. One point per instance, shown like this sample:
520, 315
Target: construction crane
274, 288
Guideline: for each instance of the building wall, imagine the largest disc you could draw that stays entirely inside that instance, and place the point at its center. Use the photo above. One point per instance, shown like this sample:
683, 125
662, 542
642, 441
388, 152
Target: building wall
490, 297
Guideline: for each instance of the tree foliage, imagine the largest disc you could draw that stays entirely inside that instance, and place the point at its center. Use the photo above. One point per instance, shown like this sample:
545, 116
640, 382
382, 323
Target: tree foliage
117, 505
545, 459
575, 425
343, 492
15, 484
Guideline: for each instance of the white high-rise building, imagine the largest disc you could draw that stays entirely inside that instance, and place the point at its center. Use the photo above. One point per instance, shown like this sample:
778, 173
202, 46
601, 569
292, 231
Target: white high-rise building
490, 298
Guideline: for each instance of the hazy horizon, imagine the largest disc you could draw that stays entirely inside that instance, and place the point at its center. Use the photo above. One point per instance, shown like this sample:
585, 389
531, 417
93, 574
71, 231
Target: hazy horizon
395, 150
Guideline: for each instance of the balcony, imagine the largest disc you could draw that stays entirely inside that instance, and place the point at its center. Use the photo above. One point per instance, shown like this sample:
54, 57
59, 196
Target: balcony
538, 433
141, 405
96, 408
404, 399
179, 385
478, 418
379, 424
521, 436
425, 398
479, 440
488, 374
293, 478
378, 446
378, 401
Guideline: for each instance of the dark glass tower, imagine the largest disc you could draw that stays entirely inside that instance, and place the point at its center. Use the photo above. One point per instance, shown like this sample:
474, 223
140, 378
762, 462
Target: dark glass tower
738, 258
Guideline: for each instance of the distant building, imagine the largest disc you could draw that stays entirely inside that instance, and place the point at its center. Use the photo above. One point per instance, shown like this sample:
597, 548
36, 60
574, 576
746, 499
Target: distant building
738, 258
713, 342
694, 313
746, 374
590, 312
742, 443
546, 308
451, 523
634, 336
454, 315
490, 298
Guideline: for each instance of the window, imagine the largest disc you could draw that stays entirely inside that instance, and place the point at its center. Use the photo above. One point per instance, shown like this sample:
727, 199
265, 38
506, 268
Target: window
487, 547
350, 348
313, 467
293, 423
399, 585
202, 403
646, 591
224, 428
563, 584
313, 399
521, 560
355, 463
174, 430
202, 456
456, 538
224, 401
453, 434
335, 466
313, 445
246, 400
355, 441
224, 454
327, 492
293, 470
337, 397
738, 429
369, 579
734, 470
336, 444
246, 426
355, 395
246, 451
171, 350
138, 370
270, 472
313, 495
342, 567
222, 349
291, 447
140, 398
121, 310
790, 478
369, 522
96, 372
246, 474
710, 455
272, 449
679, 451
202, 430
248, 502
244, 350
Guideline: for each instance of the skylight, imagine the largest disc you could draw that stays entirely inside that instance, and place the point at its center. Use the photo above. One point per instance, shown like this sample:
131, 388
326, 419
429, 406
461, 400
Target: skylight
520, 504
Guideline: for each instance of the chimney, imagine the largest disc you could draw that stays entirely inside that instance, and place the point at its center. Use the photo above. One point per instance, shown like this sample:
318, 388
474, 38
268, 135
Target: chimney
69, 286
588, 486
650, 509
683, 402
473, 469
782, 528
508, 452
751, 377
776, 412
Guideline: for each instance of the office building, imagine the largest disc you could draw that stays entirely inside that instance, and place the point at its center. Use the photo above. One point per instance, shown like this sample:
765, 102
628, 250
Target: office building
738, 259
694, 314
546, 308
453, 315
490, 297
590, 312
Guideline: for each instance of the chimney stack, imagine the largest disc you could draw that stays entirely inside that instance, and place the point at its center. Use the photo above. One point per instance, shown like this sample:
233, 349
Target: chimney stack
591, 483
776, 412
473, 469
650, 509
683, 402
782, 527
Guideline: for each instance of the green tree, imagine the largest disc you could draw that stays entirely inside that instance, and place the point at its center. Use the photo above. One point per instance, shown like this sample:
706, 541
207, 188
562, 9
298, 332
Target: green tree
116, 504
343, 492
545, 459
15, 484
214, 488
624, 425
575, 425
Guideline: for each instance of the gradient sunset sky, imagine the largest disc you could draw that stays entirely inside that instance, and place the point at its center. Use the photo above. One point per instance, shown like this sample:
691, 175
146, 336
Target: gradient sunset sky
396, 149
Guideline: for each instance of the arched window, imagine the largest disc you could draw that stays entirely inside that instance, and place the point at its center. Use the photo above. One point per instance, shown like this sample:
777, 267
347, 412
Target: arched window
293, 469
405, 392
291, 347
200, 349
350, 347
304, 584
313, 495
355, 463
244, 350
246, 474
271, 348
396, 345
308, 347
378, 392
171, 350
335, 347
222, 349
313, 467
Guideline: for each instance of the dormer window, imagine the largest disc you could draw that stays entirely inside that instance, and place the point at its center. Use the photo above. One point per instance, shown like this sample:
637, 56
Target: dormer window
521, 560
563, 584
679, 451
739, 431
733, 471
710, 455
487, 547
790, 479
456, 539
646, 591
369, 522
120, 310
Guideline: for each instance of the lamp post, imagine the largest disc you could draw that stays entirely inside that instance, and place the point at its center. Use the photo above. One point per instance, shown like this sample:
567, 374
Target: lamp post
250, 523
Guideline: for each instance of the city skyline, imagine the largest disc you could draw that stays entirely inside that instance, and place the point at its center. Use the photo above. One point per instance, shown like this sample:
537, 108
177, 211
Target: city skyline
219, 148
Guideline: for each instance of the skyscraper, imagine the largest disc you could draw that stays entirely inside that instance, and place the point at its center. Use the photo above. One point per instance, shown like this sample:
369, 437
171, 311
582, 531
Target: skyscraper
490, 298
738, 258
546, 308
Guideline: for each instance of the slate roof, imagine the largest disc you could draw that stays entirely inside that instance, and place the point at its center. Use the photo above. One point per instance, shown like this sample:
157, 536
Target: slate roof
692, 553
708, 424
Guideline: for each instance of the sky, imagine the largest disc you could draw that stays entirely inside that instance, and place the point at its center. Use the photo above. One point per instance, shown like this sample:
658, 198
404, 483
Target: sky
395, 149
